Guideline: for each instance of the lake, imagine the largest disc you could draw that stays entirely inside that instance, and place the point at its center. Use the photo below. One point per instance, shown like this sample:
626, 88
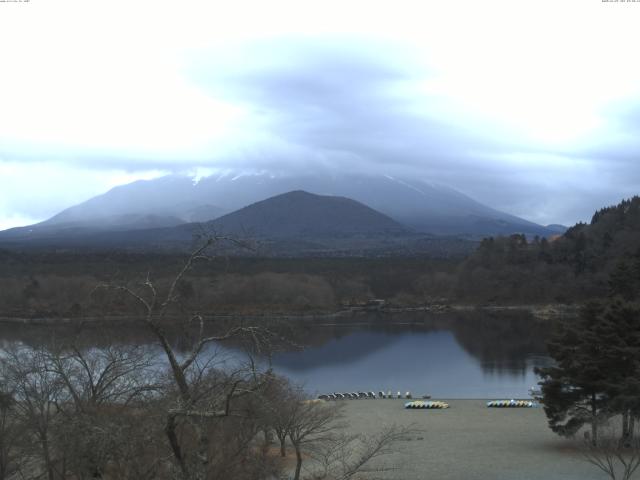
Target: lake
470, 355
422, 362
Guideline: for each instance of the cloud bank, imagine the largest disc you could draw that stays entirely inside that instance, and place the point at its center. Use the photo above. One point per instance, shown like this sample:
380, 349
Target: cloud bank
543, 126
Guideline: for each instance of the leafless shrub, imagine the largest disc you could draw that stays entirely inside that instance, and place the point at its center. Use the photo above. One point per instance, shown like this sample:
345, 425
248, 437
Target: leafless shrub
344, 457
618, 458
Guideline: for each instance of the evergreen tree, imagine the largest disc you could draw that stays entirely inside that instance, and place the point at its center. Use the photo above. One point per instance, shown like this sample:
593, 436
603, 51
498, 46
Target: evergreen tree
597, 371
619, 332
623, 281
575, 388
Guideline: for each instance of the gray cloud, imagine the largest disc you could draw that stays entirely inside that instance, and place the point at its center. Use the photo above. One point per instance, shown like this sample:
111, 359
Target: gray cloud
348, 101
358, 105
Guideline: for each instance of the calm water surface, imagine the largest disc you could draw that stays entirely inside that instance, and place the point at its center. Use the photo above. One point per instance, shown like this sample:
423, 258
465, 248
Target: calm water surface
455, 356
433, 362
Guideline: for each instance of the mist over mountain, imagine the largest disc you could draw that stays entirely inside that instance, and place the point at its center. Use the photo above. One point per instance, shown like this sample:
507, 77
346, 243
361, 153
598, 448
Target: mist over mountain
296, 223
424, 207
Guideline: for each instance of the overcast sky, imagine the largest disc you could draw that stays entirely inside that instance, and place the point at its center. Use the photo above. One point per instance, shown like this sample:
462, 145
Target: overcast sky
532, 107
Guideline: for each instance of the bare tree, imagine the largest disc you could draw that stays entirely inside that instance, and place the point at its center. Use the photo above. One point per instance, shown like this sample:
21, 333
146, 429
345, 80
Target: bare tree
312, 423
11, 437
280, 401
346, 456
617, 457
317, 432
104, 386
140, 452
202, 395
74, 409
38, 393
101, 376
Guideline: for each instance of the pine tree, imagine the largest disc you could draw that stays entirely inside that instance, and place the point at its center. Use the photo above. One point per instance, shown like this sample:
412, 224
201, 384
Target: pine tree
575, 388
619, 331
597, 371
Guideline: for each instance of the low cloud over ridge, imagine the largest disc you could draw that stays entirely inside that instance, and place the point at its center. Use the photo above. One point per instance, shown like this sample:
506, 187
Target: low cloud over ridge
529, 125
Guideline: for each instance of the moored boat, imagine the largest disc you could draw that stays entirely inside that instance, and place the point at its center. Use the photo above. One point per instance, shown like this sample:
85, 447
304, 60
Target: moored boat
419, 404
511, 404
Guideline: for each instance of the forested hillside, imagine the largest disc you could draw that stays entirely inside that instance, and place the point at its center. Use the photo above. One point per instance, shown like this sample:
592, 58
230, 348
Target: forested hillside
581, 264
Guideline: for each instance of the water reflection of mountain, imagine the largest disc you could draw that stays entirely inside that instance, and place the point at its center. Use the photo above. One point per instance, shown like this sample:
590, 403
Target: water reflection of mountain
471, 355
504, 343
347, 345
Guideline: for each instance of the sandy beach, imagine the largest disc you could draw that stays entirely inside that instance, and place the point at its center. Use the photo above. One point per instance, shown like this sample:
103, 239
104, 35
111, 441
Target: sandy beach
472, 442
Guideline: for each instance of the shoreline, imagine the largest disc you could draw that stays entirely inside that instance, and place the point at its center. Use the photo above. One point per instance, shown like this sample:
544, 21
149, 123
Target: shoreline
540, 312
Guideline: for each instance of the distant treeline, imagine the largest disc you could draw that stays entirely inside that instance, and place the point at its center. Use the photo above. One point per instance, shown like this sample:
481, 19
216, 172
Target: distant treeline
579, 265
64, 284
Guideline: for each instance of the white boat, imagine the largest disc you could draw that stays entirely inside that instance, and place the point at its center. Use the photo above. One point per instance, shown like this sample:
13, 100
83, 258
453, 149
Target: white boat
535, 392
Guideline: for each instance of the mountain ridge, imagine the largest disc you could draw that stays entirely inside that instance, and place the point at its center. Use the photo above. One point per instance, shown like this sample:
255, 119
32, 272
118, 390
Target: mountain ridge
424, 207
296, 223
300, 213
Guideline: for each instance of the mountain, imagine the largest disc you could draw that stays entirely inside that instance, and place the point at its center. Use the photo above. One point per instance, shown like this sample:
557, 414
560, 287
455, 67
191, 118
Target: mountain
295, 223
172, 195
55, 230
302, 214
557, 228
425, 207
